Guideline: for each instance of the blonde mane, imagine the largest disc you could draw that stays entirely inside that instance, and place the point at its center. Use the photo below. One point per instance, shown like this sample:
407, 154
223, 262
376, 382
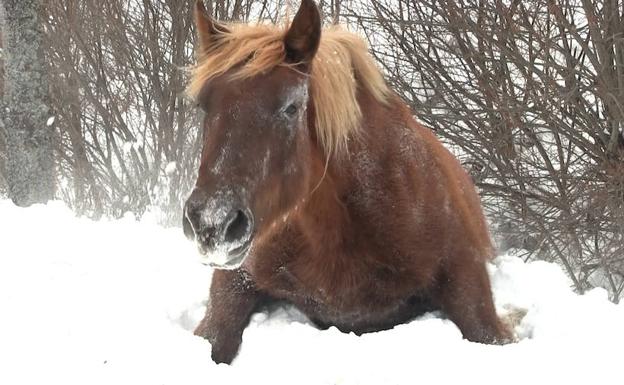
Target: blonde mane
341, 65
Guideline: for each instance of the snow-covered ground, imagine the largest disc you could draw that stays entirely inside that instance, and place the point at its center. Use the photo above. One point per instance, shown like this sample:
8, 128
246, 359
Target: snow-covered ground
115, 302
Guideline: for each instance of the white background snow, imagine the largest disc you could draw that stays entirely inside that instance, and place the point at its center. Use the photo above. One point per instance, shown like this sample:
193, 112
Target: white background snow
115, 302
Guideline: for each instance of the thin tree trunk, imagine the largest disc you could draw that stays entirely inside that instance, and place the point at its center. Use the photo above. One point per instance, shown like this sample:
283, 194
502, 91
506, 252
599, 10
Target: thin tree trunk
85, 186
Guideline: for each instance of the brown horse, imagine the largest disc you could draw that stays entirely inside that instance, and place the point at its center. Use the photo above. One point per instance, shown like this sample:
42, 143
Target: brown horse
317, 187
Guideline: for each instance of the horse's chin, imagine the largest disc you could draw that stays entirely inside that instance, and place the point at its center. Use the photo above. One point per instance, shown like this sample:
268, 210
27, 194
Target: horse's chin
219, 259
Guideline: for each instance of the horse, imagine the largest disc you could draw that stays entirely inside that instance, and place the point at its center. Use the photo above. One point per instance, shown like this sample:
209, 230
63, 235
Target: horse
318, 188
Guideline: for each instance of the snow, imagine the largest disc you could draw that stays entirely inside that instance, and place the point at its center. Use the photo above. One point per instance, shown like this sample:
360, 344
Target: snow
115, 302
171, 168
127, 146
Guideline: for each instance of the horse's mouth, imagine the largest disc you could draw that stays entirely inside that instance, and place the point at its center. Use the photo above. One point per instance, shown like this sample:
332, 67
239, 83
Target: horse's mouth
226, 260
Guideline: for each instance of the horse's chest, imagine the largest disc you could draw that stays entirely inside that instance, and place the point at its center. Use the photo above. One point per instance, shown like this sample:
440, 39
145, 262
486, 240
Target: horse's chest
353, 288
342, 288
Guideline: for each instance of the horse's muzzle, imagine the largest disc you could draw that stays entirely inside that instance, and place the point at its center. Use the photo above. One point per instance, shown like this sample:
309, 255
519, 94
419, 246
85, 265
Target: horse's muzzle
221, 227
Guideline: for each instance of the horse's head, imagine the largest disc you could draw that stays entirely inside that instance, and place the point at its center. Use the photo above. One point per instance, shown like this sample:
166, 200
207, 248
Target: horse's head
256, 142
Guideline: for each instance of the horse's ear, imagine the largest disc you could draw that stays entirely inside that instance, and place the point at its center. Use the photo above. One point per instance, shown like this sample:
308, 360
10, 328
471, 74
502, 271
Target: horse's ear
303, 36
208, 30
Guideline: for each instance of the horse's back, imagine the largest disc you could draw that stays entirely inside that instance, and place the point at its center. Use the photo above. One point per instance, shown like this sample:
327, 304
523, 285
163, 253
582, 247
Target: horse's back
464, 204
431, 200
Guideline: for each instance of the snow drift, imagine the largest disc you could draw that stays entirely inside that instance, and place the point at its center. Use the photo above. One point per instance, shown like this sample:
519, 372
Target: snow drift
115, 302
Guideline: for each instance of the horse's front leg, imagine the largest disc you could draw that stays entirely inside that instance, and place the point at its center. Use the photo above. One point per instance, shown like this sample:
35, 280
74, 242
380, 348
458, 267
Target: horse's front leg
466, 297
233, 298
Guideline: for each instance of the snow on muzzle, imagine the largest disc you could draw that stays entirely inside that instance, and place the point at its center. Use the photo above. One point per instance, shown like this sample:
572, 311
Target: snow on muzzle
221, 226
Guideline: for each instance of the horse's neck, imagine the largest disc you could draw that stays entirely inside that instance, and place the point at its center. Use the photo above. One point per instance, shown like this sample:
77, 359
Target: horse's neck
326, 210
323, 211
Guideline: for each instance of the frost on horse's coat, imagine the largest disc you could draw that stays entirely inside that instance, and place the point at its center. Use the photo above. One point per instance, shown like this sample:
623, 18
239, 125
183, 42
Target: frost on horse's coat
343, 206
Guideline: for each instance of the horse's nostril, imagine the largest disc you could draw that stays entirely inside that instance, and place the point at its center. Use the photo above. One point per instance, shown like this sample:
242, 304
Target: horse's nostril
237, 228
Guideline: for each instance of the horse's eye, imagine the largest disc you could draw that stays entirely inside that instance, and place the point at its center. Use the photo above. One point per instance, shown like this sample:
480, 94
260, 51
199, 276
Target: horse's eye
291, 110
